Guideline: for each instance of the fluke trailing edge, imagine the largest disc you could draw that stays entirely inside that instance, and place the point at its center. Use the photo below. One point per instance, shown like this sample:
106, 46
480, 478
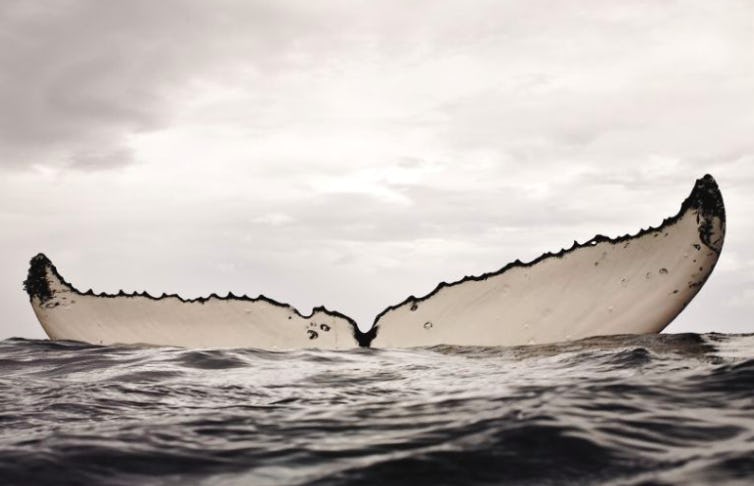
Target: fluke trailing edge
624, 285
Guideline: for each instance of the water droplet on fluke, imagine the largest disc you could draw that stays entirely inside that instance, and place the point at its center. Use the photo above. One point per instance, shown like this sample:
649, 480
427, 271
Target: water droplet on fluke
427, 325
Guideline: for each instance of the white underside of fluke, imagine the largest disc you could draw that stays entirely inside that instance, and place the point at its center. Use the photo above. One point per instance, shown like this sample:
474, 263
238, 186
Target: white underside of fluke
637, 286
212, 323
631, 284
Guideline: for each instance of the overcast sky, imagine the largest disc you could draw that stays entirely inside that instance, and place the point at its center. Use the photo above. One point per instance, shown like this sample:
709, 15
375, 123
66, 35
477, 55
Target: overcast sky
352, 153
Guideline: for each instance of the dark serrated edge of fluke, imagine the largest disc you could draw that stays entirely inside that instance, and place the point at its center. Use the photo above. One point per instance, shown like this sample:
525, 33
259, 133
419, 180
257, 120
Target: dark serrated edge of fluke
36, 283
705, 197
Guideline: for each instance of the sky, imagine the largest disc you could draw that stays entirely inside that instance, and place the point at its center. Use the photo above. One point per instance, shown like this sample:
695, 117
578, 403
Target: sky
352, 153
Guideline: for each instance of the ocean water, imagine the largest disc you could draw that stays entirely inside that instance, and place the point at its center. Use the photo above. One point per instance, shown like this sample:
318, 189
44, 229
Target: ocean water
665, 409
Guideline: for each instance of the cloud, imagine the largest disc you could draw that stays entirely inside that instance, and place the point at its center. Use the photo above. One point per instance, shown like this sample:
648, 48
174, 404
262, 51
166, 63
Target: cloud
536, 83
273, 219
84, 76
97, 160
68, 88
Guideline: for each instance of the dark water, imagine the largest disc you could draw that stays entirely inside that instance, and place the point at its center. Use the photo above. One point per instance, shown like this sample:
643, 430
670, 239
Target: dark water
668, 409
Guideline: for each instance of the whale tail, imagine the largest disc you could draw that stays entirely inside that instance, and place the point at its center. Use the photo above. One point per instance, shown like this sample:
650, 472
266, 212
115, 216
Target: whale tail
629, 284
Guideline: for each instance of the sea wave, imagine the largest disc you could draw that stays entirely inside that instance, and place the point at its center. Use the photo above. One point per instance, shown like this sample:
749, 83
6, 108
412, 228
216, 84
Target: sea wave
651, 409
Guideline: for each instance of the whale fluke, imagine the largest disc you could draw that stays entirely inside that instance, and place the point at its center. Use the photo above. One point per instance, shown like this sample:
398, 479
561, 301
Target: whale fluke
629, 284
624, 285
204, 322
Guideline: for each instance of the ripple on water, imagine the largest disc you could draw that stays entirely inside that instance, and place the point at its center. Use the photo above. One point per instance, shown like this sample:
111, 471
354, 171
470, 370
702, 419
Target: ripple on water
624, 409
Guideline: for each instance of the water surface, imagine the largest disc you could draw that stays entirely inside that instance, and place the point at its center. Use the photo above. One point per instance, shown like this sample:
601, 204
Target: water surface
664, 409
